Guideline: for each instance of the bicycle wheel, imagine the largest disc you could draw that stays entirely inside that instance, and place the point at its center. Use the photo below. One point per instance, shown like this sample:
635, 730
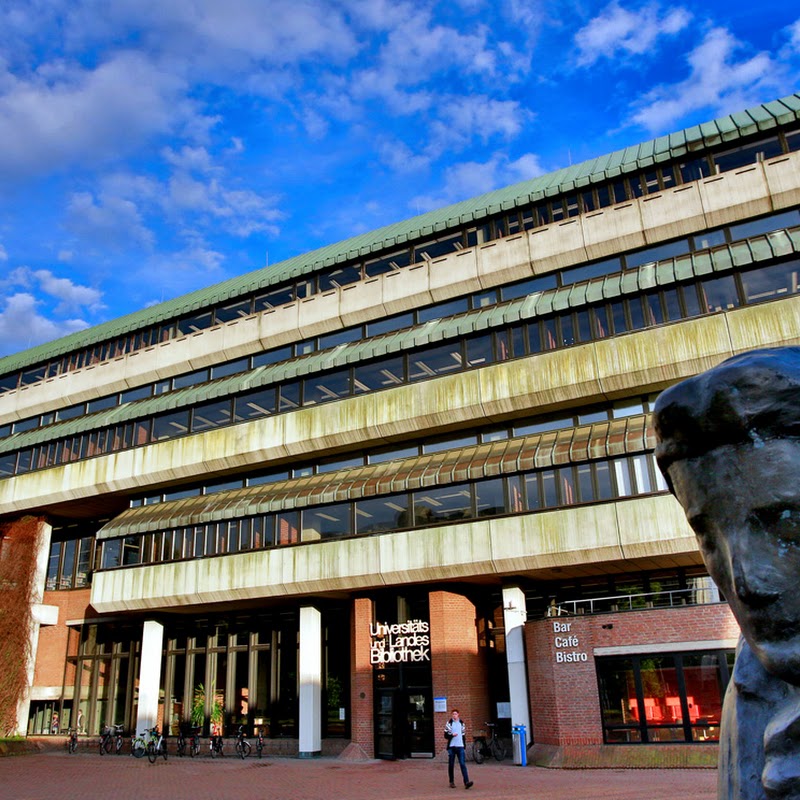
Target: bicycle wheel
245, 751
151, 752
164, 748
498, 750
102, 747
118, 745
72, 745
213, 749
138, 748
180, 749
194, 749
477, 750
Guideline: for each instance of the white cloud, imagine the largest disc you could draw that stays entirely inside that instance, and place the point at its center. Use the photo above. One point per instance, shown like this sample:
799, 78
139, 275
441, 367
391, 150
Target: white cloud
717, 81
617, 29
72, 297
465, 118
108, 222
472, 178
22, 325
63, 114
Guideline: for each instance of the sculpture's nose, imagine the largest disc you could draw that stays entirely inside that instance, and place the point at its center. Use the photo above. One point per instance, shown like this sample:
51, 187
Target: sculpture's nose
750, 586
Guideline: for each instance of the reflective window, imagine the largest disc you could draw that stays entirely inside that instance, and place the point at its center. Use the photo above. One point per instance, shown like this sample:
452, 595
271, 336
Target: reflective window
442, 504
378, 514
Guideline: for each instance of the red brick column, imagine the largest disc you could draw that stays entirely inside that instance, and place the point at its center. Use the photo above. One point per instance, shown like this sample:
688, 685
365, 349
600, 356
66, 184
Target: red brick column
458, 665
361, 701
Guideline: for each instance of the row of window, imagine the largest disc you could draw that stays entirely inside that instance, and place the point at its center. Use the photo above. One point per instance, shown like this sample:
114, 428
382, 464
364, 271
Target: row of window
527, 426
412, 318
590, 482
460, 305
71, 563
697, 297
565, 206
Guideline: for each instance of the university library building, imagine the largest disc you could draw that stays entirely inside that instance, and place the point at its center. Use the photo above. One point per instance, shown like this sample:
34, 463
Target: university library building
335, 497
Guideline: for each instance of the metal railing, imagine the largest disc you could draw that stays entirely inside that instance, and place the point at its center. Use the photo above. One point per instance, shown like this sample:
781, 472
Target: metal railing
635, 602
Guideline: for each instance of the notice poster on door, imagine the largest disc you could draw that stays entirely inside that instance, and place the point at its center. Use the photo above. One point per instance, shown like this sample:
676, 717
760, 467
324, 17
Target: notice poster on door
440, 704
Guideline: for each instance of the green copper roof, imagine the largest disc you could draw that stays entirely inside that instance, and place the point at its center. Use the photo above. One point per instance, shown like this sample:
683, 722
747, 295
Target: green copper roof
697, 138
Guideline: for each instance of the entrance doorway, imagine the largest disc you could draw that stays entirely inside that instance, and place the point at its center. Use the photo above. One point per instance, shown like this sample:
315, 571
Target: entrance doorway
404, 723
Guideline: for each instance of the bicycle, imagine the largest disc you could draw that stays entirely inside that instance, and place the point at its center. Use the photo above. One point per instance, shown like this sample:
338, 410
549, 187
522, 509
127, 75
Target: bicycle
180, 744
491, 746
242, 745
216, 744
157, 746
194, 742
260, 743
72, 741
139, 745
118, 741
106, 741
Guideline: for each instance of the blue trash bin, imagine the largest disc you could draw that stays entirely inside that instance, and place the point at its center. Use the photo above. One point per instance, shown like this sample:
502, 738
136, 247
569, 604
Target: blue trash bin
520, 744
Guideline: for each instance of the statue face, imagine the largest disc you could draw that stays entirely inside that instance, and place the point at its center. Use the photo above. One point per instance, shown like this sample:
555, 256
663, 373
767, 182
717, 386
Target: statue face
743, 502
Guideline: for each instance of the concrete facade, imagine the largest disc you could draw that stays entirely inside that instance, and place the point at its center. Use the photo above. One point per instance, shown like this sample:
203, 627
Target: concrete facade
343, 567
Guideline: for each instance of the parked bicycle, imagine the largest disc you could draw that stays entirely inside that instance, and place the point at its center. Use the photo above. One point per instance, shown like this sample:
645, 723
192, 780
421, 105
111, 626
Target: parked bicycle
180, 743
139, 745
216, 744
491, 746
259, 742
194, 742
72, 741
242, 745
111, 739
157, 746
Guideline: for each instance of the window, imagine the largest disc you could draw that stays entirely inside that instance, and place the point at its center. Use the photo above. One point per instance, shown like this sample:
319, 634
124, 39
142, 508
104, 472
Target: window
378, 514
669, 697
442, 504
328, 522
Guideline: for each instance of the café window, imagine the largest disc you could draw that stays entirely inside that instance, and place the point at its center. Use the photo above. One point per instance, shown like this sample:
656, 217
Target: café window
663, 697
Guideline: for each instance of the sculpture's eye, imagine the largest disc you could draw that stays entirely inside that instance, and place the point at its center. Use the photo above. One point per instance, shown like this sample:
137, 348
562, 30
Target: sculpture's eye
780, 521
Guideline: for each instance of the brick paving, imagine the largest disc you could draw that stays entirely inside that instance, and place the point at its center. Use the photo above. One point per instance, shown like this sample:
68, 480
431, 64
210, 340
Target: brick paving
88, 776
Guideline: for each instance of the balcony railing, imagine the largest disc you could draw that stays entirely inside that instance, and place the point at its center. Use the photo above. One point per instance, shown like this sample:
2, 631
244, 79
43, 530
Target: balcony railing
671, 598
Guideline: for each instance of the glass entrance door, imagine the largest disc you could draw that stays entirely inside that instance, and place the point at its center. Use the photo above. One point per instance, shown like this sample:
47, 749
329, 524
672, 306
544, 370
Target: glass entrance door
385, 724
419, 724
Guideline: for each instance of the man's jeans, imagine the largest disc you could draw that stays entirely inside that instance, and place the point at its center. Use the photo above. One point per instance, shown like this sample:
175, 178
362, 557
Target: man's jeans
452, 753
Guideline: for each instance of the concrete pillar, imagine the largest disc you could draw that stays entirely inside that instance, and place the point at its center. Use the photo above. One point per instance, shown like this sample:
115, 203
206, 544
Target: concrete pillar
310, 744
515, 615
149, 675
41, 615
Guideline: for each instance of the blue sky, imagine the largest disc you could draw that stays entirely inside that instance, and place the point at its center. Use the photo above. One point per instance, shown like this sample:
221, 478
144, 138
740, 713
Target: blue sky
152, 147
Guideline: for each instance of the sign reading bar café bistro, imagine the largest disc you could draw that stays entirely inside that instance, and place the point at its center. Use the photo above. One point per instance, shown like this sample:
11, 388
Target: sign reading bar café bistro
399, 643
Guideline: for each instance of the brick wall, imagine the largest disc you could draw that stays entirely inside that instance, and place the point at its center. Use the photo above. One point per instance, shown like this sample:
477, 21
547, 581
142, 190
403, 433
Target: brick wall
458, 664
361, 725
52, 652
565, 706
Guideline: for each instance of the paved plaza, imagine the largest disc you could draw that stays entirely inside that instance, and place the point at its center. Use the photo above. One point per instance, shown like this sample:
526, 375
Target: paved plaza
88, 776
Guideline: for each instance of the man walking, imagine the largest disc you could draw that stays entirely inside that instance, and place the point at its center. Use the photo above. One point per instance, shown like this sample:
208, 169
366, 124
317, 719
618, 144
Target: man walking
455, 731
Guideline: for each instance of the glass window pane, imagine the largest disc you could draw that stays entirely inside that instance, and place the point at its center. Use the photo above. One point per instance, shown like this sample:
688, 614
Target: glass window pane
549, 488
52, 566
193, 378
704, 692
251, 405
585, 483
719, 294
278, 297
272, 356
431, 361
234, 311
618, 703
441, 310
605, 489
490, 497
326, 387
442, 504
289, 396
327, 522
774, 222
339, 337
388, 324
211, 415
378, 514
642, 474
532, 487
479, 350
379, 375
768, 283
287, 527
112, 549
566, 486
622, 477
340, 276
67, 565
165, 426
